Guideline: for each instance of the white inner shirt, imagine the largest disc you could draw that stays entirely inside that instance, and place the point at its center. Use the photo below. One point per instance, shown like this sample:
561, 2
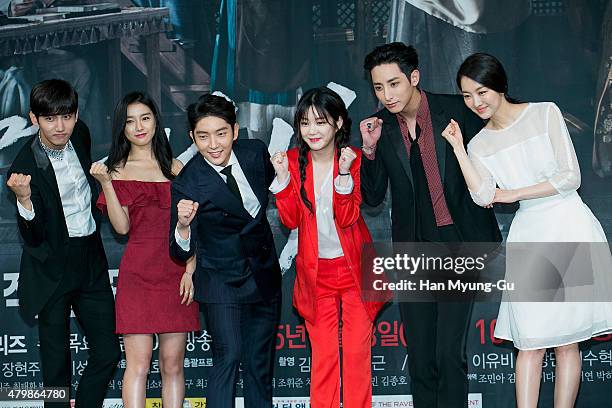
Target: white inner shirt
75, 194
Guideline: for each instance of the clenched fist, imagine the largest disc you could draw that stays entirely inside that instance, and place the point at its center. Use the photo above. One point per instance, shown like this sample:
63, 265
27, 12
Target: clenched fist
452, 133
370, 129
347, 157
100, 172
186, 210
20, 185
281, 165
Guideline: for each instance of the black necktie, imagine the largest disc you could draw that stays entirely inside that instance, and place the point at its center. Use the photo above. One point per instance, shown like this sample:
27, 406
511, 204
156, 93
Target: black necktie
425, 228
231, 182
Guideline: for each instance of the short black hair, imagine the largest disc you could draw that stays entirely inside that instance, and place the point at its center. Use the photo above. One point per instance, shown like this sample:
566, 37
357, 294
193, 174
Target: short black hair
405, 56
53, 97
211, 105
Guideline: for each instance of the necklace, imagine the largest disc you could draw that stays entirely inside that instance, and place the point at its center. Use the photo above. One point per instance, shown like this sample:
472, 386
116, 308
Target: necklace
55, 154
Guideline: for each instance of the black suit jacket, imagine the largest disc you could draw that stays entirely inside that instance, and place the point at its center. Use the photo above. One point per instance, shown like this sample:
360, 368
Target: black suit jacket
45, 237
231, 246
391, 166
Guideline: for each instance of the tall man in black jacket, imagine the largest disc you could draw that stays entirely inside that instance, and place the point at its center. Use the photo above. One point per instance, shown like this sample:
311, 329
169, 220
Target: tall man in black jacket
63, 264
430, 202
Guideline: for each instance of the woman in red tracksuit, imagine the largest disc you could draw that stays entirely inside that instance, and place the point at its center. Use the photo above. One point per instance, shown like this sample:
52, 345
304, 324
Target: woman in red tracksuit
317, 191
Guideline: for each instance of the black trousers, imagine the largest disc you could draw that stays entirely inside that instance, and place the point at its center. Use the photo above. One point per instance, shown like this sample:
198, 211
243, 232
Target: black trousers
242, 333
86, 288
436, 334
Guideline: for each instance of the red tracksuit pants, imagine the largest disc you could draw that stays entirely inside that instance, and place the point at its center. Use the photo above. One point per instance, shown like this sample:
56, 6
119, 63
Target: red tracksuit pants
338, 298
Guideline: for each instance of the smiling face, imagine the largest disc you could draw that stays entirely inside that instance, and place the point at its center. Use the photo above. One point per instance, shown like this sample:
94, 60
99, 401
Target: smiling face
214, 137
393, 88
55, 130
481, 100
317, 131
139, 124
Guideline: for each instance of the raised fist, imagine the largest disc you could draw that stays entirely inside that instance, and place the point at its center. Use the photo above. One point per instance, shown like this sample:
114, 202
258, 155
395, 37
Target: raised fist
100, 172
20, 185
370, 129
281, 165
186, 210
452, 133
347, 156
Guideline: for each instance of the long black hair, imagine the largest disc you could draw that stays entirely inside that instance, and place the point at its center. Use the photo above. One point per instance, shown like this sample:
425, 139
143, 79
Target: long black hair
486, 70
120, 146
327, 104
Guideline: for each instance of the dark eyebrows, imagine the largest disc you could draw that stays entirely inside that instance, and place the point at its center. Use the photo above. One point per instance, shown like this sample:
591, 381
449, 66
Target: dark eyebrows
476, 90
388, 81
58, 114
214, 131
139, 116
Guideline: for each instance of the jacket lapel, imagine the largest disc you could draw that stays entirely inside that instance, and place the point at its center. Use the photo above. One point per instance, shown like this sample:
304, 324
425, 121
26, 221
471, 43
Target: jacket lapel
216, 190
46, 169
253, 171
439, 120
393, 132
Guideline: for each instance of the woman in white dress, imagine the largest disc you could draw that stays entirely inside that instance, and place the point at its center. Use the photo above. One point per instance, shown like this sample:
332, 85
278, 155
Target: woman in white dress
525, 149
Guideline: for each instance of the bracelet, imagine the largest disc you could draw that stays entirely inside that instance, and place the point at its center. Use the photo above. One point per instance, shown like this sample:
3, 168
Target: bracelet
368, 149
344, 174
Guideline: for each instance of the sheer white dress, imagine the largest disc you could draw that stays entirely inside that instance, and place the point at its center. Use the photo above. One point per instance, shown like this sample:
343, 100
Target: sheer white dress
536, 148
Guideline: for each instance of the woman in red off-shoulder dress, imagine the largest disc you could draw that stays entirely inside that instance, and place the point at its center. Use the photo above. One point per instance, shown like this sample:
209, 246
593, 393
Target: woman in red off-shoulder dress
154, 293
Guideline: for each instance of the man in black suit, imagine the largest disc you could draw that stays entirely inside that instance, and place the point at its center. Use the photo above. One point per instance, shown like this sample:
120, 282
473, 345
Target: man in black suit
430, 202
219, 212
63, 264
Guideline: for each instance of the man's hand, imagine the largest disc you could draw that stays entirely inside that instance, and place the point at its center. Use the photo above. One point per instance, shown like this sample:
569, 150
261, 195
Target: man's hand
20, 185
370, 129
186, 210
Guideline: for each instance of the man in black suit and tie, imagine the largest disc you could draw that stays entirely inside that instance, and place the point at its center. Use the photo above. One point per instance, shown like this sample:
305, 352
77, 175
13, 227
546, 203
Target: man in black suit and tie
63, 264
430, 202
219, 212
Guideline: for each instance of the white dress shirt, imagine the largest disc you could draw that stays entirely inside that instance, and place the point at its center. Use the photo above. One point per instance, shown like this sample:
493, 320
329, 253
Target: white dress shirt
74, 192
249, 199
327, 235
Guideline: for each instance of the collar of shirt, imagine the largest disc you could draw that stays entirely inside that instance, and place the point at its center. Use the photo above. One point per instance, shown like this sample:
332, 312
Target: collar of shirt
423, 113
249, 199
55, 154
232, 160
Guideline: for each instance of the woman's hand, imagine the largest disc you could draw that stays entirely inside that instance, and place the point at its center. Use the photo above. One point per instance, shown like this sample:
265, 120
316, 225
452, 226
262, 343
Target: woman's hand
505, 196
186, 288
100, 172
281, 166
347, 157
452, 134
